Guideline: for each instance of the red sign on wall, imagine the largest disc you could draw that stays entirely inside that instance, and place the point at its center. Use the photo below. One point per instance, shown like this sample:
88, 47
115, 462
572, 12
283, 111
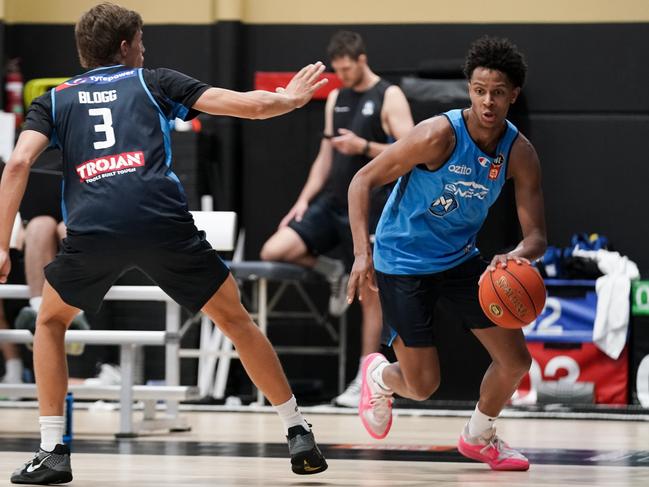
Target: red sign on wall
584, 364
270, 80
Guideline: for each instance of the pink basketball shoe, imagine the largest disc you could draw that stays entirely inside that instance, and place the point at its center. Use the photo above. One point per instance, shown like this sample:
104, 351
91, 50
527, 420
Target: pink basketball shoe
375, 407
493, 451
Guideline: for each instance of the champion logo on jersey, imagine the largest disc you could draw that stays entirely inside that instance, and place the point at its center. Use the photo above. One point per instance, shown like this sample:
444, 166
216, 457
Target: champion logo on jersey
108, 166
483, 161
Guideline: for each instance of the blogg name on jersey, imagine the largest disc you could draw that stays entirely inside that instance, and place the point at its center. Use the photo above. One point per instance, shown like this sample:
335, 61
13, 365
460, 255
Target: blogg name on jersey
97, 96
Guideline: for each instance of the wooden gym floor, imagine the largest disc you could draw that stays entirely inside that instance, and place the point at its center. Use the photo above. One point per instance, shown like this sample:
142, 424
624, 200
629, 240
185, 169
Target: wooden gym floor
247, 449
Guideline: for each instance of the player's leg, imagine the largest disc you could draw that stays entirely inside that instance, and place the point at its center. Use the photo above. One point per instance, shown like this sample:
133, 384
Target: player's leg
407, 303
510, 362
11, 355
286, 245
372, 325
304, 242
41, 243
52, 462
263, 367
191, 272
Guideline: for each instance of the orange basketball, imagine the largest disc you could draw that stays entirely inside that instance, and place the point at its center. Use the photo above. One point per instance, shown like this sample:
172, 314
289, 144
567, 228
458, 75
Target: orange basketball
512, 297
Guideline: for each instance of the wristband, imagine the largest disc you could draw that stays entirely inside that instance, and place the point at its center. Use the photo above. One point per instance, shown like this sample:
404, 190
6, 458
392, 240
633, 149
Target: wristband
366, 150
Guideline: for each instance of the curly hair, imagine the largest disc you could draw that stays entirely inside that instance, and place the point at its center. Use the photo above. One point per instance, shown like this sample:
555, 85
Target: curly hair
101, 30
345, 43
497, 54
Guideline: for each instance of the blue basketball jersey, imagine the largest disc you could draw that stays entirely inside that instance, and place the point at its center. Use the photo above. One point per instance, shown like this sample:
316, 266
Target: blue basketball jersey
431, 219
115, 142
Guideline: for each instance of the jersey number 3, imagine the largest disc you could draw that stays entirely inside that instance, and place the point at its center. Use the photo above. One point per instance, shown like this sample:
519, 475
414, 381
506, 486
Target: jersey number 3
106, 127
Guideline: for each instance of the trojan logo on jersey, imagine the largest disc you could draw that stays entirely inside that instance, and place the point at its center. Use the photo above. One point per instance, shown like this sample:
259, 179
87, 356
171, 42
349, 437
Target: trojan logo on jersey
108, 166
445, 203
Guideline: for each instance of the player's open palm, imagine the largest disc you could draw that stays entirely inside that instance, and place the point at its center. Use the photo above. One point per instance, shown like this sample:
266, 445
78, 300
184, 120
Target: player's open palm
305, 83
5, 266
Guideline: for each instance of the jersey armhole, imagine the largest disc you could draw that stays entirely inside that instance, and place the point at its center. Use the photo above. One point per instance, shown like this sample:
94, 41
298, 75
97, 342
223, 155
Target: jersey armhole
54, 140
423, 167
509, 154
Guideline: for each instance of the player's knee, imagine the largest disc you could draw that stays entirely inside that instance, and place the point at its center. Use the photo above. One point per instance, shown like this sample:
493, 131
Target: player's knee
269, 252
420, 390
52, 322
40, 227
519, 365
236, 326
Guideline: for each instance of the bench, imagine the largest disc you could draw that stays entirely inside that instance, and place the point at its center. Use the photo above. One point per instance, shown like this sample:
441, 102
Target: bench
263, 308
126, 392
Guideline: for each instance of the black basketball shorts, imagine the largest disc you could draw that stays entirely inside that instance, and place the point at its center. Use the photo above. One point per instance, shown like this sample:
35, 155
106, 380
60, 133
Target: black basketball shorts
410, 302
186, 268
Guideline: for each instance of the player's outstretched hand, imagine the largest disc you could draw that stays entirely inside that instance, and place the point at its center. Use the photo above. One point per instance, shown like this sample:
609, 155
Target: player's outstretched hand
305, 83
361, 278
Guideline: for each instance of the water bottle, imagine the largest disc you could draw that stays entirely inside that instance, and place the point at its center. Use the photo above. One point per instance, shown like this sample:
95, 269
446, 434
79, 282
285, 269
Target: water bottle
69, 405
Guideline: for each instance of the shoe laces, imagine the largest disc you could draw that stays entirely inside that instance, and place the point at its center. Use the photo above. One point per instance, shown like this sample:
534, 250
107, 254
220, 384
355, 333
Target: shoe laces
503, 449
381, 404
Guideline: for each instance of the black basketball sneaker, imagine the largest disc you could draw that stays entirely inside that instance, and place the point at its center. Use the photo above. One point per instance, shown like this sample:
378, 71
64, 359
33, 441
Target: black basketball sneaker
306, 458
46, 468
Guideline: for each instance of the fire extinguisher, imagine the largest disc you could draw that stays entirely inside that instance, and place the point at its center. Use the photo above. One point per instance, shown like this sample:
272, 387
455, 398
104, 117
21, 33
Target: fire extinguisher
14, 90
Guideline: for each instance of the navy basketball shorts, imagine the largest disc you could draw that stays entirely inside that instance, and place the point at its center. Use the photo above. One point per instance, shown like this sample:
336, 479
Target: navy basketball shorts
410, 302
323, 227
186, 268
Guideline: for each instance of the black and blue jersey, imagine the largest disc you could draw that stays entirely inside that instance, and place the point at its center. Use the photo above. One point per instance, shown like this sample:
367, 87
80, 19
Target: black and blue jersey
112, 125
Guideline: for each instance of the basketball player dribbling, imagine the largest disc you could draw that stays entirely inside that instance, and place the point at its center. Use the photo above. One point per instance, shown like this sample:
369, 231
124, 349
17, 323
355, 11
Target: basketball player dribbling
125, 208
451, 168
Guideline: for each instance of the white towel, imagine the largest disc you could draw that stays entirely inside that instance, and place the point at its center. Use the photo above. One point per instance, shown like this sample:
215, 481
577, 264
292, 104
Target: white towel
613, 289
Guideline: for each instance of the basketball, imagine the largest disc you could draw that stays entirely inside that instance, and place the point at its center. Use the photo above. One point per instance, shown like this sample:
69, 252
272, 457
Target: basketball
513, 296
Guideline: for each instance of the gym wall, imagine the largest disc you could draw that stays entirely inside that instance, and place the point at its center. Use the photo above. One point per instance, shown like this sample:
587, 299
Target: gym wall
585, 105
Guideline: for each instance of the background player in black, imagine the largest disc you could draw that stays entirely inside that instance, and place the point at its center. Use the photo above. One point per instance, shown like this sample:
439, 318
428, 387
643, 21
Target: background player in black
360, 119
168, 248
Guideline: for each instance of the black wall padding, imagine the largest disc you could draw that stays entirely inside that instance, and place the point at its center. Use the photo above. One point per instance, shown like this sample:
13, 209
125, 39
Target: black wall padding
441, 69
595, 173
430, 97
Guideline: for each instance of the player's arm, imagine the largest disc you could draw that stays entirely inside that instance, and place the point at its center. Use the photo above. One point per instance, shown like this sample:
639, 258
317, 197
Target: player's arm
525, 171
259, 104
12, 188
396, 119
396, 111
429, 143
319, 169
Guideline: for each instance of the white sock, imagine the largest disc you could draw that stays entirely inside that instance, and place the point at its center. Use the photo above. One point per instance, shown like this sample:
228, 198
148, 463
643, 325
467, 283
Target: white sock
51, 431
14, 371
290, 415
35, 302
377, 375
480, 422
